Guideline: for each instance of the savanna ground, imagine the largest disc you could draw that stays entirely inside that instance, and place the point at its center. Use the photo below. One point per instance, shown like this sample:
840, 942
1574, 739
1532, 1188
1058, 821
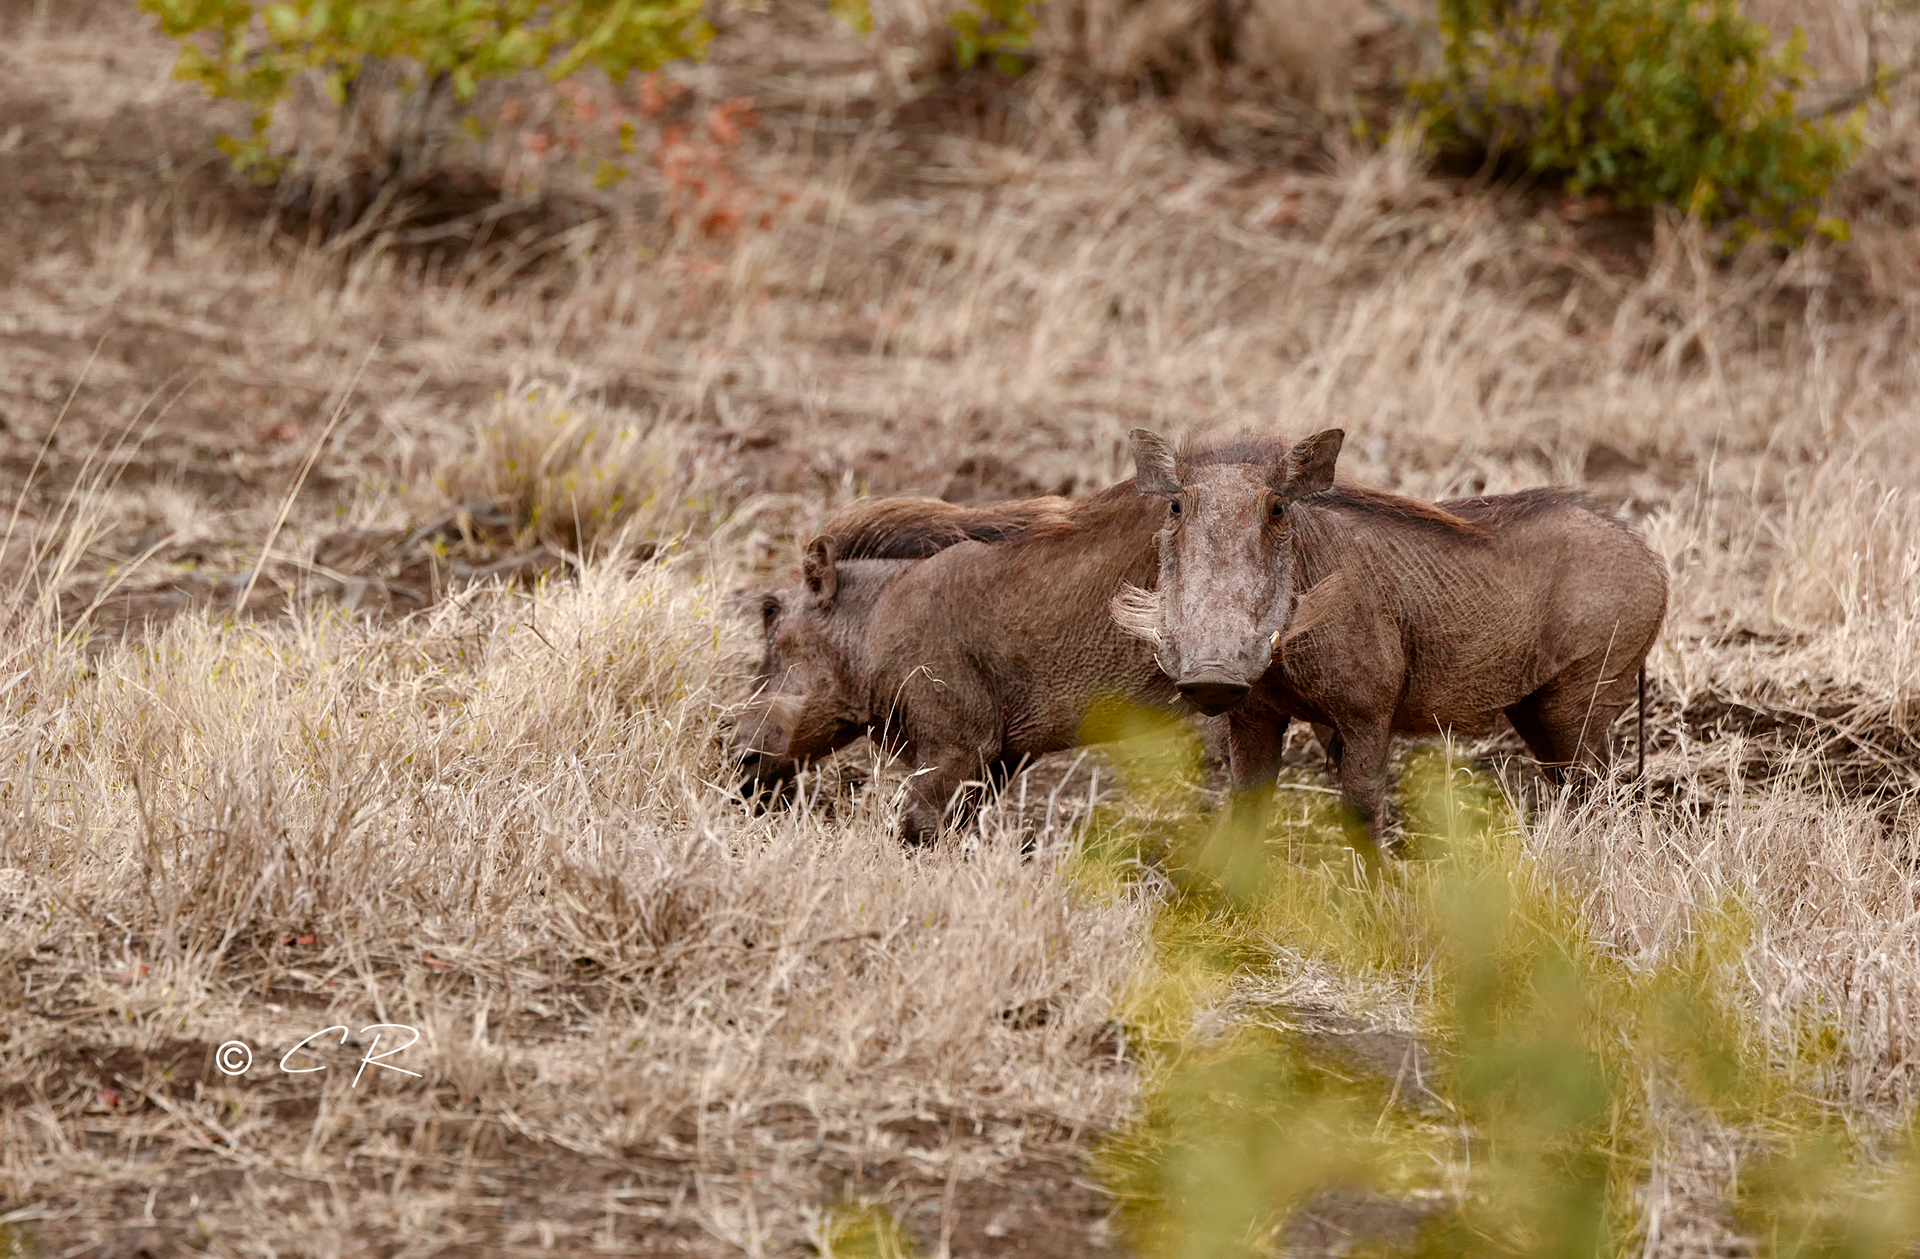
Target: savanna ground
375, 615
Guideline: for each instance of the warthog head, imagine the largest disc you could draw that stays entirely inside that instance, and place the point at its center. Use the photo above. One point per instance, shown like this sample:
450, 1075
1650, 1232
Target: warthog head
1226, 594
806, 702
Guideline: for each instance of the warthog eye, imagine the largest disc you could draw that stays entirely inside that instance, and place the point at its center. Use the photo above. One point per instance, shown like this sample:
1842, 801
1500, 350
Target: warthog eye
1174, 506
769, 608
1279, 509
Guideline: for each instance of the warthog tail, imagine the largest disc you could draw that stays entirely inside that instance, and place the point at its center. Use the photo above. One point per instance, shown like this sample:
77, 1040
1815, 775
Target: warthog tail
1641, 737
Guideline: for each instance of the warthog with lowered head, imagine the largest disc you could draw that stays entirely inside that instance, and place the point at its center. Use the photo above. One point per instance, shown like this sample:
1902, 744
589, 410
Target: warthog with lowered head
1284, 594
961, 638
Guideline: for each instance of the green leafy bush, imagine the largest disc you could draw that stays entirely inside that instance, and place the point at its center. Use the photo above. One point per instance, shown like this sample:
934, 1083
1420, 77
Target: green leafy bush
252, 51
1557, 1068
1679, 102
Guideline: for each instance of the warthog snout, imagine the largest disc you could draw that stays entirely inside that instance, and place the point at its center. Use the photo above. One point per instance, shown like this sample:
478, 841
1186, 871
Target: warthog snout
760, 745
760, 732
803, 706
763, 777
1213, 691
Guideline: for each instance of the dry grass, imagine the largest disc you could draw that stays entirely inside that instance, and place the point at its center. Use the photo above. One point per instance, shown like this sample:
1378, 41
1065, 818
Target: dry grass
496, 824
652, 1019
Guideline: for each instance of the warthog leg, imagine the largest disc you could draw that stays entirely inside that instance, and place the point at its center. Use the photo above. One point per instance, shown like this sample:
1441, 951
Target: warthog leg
1567, 723
1363, 780
1254, 742
1255, 739
1525, 716
1329, 745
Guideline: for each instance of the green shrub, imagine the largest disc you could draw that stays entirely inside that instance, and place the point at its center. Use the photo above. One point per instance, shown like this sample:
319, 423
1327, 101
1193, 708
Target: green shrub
1558, 1064
1685, 103
1678, 102
252, 51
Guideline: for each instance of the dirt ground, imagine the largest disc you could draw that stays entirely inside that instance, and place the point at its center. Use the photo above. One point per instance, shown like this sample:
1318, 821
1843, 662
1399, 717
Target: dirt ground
350, 694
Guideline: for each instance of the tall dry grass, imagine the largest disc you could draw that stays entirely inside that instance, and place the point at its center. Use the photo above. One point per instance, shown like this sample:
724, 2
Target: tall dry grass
504, 825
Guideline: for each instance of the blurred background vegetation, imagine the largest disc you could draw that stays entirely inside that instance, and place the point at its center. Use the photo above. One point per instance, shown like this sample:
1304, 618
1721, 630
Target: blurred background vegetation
1690, 104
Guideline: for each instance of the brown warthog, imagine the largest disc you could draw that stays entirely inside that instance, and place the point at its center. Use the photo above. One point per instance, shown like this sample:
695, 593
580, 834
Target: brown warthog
989, 649
1282, 593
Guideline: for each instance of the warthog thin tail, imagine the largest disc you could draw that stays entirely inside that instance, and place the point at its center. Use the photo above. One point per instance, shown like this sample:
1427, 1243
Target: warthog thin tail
1137, 611
1641, 737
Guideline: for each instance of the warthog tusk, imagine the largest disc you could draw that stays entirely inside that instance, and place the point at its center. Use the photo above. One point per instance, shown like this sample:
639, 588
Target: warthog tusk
1156, 638
1273, 644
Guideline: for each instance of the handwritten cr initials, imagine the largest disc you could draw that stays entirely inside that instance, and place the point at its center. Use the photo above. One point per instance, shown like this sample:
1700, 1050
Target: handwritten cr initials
371, 1059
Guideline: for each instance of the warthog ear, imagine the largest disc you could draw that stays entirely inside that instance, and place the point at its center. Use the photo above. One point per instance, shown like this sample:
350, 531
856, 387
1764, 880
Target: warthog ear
822, 577
1309, 465
1153, 463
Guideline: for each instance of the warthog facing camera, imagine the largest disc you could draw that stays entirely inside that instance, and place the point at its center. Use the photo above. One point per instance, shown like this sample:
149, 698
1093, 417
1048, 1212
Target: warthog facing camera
1284, 594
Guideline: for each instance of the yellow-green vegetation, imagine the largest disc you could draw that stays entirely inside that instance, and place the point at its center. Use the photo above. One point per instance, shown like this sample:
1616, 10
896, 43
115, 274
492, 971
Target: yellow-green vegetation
1686, 103
863, 1230
1559, 1061
993, 28
996, 29
253, 51
256, 50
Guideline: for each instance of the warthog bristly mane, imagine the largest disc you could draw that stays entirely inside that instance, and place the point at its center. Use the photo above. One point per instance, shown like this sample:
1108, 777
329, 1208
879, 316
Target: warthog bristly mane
1272, 452
1500, 510
910, 528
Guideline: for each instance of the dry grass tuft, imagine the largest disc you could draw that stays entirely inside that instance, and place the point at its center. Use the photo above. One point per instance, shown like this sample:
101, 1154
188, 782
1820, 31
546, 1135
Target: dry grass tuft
574, 473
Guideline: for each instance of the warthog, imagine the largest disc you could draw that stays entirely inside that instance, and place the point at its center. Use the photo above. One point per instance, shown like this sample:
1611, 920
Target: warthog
962, 638
1284, 594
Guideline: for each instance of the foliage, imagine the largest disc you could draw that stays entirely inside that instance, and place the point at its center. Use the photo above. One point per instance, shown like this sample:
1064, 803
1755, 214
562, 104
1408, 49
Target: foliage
1561, 1064
1679, 102
256, 50
996, 28
858, 1229
703, 192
